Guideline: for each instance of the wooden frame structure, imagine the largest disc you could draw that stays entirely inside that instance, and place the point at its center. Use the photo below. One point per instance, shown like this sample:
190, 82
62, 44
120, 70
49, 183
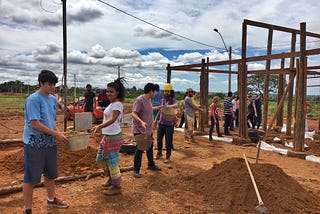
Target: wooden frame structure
297, 71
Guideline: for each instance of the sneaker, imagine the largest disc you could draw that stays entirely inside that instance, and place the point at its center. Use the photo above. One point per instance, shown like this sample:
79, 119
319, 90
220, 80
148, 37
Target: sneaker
158, 156
154, 168
57, 203
167, 160
114, 190
107, 184
136, 174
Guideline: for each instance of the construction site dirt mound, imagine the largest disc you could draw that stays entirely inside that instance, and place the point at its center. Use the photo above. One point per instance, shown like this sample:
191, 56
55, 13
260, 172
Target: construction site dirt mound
69, 163
228, 187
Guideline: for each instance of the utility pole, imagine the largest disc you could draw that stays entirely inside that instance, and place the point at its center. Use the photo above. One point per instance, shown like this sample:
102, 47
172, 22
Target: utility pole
75, 87
64, 20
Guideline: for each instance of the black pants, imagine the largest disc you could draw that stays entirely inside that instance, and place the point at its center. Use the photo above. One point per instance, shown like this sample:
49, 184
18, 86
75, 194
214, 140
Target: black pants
182, 120
138, 158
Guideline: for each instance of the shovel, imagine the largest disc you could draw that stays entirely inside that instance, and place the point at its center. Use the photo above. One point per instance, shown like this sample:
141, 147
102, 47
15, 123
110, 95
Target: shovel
260, 209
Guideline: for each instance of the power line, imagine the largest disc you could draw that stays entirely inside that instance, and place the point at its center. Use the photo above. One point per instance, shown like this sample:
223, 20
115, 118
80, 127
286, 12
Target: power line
160, 28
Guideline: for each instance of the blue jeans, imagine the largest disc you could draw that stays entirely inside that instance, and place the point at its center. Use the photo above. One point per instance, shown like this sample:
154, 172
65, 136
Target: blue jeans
167, 131
258, 121
212, 125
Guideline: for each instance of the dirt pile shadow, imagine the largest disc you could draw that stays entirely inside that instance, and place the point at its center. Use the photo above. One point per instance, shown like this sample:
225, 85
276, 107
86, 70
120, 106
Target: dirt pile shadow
227, 186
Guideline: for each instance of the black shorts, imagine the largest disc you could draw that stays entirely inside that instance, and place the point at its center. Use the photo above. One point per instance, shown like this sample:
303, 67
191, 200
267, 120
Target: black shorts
38, 161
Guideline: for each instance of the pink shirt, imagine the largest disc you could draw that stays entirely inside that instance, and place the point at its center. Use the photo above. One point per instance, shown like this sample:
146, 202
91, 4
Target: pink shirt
143, 108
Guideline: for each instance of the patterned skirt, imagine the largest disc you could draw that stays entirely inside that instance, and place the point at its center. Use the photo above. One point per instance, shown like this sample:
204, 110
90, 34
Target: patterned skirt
108, 156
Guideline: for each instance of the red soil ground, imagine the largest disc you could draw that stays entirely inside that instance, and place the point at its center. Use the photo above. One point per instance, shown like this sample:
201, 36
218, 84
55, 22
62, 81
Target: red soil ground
202, 177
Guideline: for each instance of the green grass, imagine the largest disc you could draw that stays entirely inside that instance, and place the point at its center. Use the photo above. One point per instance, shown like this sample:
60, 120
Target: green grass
12, 102
315, 111
15, 102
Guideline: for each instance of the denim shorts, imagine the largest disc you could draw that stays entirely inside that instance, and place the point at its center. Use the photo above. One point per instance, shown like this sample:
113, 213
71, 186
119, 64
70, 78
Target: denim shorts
38, 161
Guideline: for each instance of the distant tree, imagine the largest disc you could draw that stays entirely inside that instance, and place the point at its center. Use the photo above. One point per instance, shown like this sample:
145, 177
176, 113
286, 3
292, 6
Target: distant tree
256, 83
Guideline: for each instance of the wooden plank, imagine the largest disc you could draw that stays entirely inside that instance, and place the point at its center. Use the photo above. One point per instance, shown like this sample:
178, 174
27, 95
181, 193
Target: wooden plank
279, 28
290, 84
281, 84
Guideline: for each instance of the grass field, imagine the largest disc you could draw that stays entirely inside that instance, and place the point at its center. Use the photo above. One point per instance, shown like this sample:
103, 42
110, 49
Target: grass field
11, 102
14, 102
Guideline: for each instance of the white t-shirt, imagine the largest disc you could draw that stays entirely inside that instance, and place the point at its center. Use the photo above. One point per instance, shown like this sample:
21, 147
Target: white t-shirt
114, 128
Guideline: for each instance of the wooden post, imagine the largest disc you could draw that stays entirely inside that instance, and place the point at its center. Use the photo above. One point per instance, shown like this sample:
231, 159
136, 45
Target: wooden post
168, 73
243, 86
280, 94
290, 94
301, 93
206, 95
290, 84
266, 84
202, 94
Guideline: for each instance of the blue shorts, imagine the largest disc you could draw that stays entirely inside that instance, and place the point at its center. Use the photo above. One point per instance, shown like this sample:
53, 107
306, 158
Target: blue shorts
38, 161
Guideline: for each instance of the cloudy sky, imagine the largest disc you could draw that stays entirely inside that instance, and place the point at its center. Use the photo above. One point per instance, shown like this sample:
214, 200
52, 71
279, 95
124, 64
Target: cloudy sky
101, 38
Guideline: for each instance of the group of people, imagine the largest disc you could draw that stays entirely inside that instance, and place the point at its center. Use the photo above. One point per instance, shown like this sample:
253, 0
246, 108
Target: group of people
149, 110
231, 113
41, 135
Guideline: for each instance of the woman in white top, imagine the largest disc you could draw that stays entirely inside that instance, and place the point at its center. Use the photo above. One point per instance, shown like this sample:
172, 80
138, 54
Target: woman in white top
108, 152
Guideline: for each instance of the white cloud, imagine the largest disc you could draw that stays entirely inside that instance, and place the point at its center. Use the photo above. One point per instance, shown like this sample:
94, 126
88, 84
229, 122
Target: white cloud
101, 38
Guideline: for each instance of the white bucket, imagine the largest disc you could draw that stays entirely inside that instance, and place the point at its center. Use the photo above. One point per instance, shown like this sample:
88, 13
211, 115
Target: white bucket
78, 142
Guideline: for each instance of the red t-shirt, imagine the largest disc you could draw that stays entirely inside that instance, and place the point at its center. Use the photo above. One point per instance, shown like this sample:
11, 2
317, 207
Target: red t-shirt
214, 108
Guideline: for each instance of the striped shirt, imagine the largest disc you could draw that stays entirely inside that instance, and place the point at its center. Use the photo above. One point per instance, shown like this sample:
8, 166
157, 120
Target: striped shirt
227, 104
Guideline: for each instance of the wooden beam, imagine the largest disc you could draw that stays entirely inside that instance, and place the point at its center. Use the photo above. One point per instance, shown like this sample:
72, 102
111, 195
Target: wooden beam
266, 83
272, 71
290, 94
281, 84
168, 73
279, 28
299, 130
290, 84
243, 86
202, 95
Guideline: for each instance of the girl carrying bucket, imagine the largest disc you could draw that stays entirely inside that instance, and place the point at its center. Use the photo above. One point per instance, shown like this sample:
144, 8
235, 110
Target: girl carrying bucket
109, 147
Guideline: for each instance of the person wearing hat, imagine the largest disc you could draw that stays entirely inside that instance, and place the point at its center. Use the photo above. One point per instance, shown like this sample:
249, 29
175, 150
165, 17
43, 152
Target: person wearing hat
190, 113
166, 121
